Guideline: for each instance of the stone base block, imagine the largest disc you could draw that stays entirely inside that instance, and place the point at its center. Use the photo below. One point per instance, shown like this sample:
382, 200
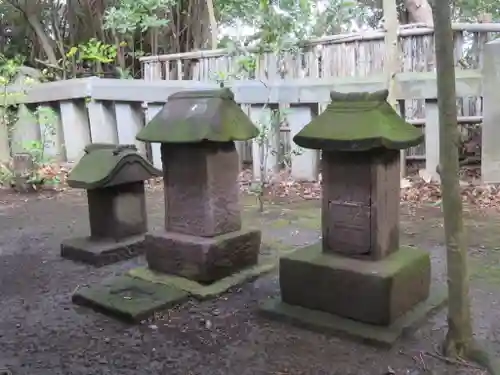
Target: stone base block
202, 259
129, 298
203, 291
372, 292
102, 252
322, 322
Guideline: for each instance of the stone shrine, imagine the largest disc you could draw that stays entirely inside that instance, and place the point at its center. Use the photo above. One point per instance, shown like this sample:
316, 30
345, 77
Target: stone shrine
203, 238
358, 272
113, 176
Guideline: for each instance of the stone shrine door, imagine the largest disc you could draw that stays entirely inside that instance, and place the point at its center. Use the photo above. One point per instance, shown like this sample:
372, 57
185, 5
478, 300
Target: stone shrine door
349, 201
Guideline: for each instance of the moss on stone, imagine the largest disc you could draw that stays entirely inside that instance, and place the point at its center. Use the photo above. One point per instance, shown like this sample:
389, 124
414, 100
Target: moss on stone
197, 116
105, 165
358, 122
387, 267
129, 298
202, 291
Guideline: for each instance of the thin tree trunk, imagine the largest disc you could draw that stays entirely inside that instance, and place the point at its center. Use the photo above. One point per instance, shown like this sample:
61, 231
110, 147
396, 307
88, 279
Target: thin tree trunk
459, 336
420, 11
45, 42
213, 24
391, 65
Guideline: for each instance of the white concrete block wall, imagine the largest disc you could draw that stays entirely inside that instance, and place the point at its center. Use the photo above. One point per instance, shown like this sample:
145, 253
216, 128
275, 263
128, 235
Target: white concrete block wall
76, 128
129, 121
51, 130
151, 111
432, 138
304, 161
25, 130
490, 153
102, 122
261, 115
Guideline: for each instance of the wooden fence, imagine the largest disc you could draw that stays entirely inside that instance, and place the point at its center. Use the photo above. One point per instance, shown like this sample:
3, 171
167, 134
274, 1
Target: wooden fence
338, 56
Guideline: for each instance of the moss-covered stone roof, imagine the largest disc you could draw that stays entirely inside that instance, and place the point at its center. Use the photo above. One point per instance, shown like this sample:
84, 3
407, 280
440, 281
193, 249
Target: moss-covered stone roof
106, 165
358, 121
197, 116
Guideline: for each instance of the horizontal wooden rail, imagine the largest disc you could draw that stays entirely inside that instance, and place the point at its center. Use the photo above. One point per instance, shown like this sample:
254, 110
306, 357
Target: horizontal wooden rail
410, 30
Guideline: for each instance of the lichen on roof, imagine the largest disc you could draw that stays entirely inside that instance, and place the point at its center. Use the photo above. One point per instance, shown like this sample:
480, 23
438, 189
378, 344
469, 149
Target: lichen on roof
197, 116
105, 165
358, 121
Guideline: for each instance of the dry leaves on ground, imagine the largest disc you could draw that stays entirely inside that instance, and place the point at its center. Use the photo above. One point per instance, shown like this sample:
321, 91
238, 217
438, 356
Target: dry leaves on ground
415, 189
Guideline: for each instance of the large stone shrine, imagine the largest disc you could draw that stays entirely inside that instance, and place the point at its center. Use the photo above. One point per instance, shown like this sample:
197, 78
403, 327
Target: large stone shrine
203, 239
203, 249
358, 280
113, 176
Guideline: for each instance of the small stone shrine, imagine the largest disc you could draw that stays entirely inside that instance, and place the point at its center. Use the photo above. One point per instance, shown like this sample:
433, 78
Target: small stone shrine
203, 238
358, 273
113, 176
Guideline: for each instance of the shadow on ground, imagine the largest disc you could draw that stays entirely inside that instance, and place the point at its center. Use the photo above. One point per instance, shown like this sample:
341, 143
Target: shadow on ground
42, 333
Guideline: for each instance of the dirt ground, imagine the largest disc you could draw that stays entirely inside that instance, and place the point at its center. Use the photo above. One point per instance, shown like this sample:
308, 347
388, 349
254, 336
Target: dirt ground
43, 333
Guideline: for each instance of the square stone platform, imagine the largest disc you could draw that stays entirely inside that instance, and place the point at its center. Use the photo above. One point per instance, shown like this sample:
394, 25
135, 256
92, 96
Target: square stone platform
373, 292
202, 259
129, 298
102, 252
375, 301
325, 323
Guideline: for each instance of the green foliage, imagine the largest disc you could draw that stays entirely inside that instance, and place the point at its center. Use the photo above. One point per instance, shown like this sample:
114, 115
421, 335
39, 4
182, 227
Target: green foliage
93, 51
9, 69
130, 16
471, 10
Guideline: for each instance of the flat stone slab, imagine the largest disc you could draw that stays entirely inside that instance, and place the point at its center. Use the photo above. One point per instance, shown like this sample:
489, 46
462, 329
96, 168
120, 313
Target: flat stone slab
323, 322
102, 252
202, 291
129, 298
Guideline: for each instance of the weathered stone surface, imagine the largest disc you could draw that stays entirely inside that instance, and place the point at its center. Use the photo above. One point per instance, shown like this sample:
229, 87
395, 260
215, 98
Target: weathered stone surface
102, 252
202, 259
201, 190
358, 121
373, 292
198, 116
117, 212
23, 170
106, 165
323, 322
204, 291
129, 298
360, 211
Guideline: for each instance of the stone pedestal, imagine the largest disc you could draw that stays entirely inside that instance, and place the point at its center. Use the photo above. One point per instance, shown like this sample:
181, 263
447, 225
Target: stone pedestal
202, 259
203, 238
376, 293
118, 222
113, 176
357, 280
358, 272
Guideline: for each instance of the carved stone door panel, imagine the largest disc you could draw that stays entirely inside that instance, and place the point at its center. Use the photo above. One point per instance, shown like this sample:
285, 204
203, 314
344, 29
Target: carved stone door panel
349, 209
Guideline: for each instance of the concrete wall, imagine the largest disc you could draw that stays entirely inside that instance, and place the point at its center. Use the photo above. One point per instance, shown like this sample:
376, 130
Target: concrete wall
109, 110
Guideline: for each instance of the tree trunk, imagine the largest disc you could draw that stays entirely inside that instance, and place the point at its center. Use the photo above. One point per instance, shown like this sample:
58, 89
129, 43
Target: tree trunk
459, 336
213, 24
43, 38
420, 11
391, 65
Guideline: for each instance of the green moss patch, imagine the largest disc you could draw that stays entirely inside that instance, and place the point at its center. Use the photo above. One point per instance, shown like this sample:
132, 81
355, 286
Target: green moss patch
198, 116
103, 164
358, 121
197, 290
128, 298
395, 262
